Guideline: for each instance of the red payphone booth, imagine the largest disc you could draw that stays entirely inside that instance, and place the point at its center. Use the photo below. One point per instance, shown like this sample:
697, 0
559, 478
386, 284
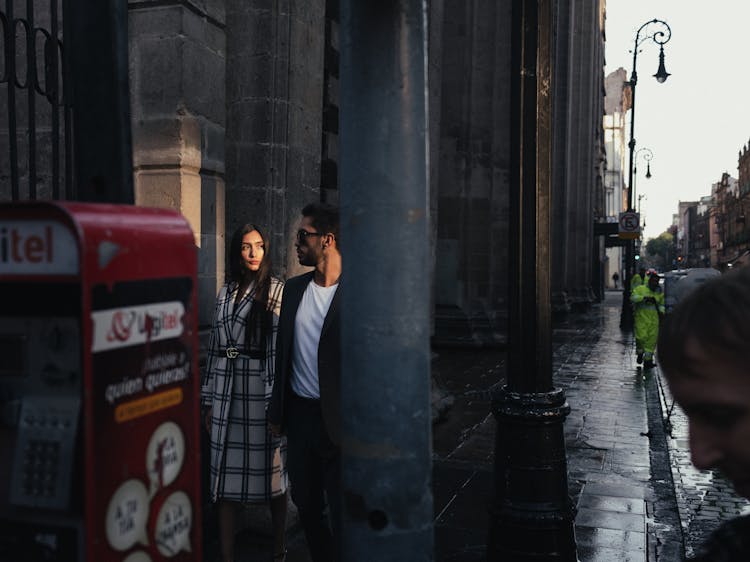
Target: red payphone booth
99, 383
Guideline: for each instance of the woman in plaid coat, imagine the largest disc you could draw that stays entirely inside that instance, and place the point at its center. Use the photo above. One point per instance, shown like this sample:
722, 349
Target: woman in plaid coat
248, 464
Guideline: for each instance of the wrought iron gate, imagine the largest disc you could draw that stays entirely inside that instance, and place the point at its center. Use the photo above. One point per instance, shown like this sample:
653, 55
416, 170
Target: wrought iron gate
36, 126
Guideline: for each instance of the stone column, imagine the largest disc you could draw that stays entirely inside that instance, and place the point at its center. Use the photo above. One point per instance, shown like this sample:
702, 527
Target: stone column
576, 178
274, 116
587, 59
177, 64
434, 88
472, 204
583, 149
560, 252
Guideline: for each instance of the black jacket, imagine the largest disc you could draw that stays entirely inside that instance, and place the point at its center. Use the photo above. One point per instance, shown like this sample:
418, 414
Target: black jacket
329, 358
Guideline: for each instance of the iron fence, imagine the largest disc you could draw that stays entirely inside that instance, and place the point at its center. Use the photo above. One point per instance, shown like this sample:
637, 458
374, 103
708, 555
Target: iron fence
36, 128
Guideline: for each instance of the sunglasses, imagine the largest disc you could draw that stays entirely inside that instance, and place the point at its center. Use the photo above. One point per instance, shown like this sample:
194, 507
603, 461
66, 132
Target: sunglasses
303, 235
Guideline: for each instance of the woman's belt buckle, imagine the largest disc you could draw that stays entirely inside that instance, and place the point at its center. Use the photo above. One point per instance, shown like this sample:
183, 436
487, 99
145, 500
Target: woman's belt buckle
232, 352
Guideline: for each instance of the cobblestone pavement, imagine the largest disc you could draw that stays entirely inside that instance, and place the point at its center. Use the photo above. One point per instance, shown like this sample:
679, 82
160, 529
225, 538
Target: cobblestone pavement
705, 498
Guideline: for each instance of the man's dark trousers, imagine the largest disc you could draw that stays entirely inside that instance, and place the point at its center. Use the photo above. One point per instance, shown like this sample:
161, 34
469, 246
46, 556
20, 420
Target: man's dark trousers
313, 462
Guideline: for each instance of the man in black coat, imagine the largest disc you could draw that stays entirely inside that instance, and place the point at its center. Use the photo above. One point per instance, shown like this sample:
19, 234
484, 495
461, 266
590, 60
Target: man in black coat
305, 401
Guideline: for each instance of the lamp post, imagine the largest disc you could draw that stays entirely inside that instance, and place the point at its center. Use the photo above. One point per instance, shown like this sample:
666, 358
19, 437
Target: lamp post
647, 155
660, 33
640, 218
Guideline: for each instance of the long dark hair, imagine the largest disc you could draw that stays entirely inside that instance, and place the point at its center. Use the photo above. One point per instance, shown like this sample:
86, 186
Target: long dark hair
260, 317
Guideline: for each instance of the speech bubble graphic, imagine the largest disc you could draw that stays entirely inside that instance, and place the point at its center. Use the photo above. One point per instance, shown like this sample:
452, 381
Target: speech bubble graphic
165, 455
173, 524
138, 556
127, 514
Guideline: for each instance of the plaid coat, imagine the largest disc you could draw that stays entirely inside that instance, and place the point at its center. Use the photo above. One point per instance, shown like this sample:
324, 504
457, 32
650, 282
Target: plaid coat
247, 464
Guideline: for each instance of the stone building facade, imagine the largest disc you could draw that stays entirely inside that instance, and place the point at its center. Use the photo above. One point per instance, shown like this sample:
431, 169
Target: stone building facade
234, 111
731, 203
578, 155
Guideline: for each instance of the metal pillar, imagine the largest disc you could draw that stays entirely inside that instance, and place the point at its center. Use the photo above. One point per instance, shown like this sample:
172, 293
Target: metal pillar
626, 314
385, 386
532, 516
97, 37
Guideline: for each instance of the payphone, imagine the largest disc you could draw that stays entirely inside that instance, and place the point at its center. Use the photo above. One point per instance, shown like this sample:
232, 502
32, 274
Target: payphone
99, 425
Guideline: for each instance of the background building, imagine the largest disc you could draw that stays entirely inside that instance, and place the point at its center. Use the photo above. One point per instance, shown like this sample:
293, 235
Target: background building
700, 254
615, 106
729, 220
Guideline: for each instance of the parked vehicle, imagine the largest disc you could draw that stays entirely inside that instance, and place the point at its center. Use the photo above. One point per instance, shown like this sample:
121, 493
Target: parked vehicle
679, 283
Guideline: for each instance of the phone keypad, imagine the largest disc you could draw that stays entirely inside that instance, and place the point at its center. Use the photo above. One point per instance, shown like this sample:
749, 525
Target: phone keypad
41, 463
43, 457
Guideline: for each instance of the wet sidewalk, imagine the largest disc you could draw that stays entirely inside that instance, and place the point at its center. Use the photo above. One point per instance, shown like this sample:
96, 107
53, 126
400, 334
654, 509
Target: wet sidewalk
628, 477
618, 461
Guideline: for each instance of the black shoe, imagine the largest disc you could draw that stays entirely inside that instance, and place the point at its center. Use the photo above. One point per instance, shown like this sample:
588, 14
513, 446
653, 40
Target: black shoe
649, 364
639, 358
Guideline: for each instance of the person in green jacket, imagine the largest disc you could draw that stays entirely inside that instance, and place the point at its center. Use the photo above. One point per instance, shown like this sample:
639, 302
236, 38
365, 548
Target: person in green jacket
648, 308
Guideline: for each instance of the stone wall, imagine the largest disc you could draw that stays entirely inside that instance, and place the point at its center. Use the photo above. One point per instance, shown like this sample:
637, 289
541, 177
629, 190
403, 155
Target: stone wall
177, 70
471, 248
227, 100
274, 106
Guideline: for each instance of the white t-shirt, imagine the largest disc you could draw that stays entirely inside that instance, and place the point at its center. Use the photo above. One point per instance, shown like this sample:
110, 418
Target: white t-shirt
308, 324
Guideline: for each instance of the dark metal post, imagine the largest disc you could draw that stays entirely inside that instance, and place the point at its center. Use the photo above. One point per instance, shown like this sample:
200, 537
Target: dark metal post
626, 315
532, 516
97, 40
660, 38
385, 387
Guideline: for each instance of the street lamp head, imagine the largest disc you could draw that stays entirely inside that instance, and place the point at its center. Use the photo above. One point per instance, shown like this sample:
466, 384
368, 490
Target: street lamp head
661, 74
648, 170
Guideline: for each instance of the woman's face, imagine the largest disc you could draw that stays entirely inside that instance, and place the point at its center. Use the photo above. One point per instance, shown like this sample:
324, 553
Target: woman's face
252, 250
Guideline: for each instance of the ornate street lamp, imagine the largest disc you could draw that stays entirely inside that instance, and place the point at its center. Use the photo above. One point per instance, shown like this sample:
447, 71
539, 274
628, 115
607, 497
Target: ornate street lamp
660, 33
647, 155
641, 196
661, 74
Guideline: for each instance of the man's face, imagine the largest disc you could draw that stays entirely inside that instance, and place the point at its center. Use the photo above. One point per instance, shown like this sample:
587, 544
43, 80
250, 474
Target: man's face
653, 282
715, 395
310, 246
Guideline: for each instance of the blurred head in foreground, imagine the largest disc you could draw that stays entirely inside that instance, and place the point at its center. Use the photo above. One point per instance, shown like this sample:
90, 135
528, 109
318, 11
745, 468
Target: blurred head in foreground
704, 351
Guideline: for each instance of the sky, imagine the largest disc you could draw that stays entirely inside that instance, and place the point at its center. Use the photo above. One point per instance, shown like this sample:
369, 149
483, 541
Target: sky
697, 121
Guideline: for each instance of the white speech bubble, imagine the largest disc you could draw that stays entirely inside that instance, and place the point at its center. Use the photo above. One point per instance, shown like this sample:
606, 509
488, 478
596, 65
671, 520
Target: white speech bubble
127, 514
165, 455
138, 556
173, 525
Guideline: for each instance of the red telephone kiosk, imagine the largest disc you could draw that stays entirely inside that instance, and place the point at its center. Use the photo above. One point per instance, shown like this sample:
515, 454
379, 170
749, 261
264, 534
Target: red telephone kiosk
99, 424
